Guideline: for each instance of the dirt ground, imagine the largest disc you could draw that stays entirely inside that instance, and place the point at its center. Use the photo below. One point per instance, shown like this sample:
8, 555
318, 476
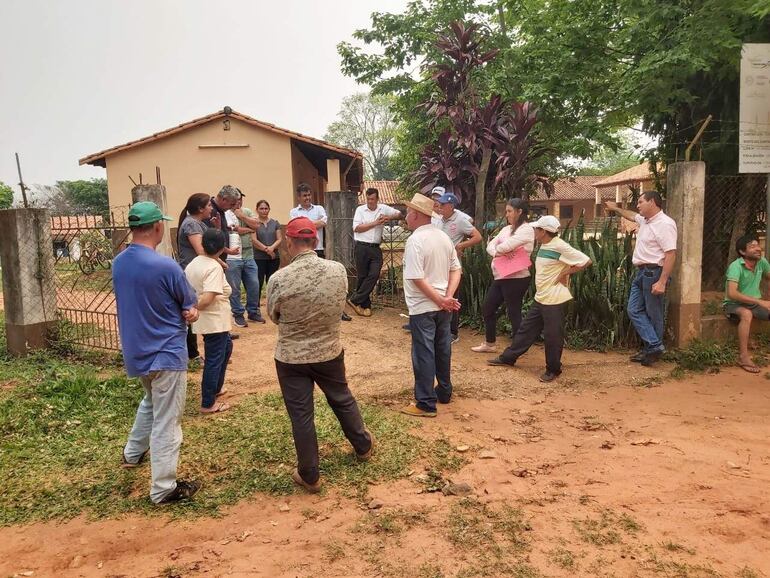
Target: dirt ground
614, 470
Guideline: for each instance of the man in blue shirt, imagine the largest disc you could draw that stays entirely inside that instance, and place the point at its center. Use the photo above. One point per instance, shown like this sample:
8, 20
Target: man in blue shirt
155, 303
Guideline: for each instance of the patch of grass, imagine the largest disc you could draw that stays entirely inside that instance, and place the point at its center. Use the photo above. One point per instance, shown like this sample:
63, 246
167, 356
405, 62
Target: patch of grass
747, 572
562, 558
391, 521
333, 551
309, 513
606, 529
444, 458
678, 569
704, 356
475, 526
430, 571
675, 547
63, 425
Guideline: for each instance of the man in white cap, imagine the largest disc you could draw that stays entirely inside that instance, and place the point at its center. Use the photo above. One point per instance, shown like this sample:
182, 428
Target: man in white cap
556, 261
431, 276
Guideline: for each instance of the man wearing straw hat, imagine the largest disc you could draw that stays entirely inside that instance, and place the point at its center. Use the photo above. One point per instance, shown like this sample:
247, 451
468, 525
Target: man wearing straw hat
431, 276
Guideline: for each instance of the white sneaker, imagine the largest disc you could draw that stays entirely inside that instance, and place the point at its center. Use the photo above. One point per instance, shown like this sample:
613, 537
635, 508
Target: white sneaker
485, 348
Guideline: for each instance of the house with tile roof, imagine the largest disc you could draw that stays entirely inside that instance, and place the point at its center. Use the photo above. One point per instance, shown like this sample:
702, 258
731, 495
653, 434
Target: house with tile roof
228, 147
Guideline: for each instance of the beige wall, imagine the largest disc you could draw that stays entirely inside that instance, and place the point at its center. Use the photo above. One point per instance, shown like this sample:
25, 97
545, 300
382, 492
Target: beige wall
263, 170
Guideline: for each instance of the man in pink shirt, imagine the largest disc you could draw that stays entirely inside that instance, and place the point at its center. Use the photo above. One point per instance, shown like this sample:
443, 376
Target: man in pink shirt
654, 257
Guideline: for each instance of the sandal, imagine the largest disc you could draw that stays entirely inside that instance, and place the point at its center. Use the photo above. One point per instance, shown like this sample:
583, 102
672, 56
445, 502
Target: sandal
222, 392
751, 368
216, 408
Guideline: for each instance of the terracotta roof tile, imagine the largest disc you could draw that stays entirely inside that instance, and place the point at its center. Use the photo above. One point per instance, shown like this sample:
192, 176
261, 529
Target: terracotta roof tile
570, 189
387, 189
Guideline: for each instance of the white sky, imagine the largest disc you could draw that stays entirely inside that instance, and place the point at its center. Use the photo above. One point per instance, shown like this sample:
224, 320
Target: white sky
80, 76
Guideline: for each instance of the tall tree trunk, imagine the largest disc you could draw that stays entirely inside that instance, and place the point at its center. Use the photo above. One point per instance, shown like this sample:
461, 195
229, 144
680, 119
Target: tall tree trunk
481, 186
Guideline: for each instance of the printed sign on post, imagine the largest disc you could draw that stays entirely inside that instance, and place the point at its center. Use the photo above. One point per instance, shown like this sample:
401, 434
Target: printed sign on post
754, 138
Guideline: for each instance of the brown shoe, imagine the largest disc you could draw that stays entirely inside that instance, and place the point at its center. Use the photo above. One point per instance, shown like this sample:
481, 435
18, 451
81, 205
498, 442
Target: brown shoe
357, 308
311, 488
368, 455
415, 411
367, 312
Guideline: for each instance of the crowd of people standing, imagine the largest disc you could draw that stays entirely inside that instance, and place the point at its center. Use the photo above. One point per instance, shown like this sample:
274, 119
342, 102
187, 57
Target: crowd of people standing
225, 249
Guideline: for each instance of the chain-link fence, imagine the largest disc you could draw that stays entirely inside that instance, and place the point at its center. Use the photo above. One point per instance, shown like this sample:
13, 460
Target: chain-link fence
83, 248
734, 205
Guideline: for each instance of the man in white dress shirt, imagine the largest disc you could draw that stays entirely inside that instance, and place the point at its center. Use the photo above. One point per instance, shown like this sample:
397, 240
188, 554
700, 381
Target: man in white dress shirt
368, 223
315, 213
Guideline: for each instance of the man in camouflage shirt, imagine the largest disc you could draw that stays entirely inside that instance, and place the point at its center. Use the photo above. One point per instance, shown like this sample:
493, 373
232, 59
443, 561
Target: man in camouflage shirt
305, 299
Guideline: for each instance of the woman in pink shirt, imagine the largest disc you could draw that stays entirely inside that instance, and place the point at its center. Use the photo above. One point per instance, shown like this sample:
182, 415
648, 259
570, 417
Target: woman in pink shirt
510, 251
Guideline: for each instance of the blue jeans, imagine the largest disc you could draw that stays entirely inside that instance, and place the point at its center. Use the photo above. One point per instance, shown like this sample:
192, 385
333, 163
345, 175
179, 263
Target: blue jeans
431, 358
218, 348
647, 311
243, 270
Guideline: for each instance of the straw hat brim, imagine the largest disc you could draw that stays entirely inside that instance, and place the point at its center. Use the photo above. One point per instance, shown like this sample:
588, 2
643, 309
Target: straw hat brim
423, 210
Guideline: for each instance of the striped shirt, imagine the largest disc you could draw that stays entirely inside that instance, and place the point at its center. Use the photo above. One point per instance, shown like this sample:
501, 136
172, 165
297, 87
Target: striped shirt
553, 258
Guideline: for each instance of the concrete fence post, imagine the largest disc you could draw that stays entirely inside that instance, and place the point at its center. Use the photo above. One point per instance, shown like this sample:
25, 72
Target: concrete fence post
29, 286
156, 194
685, 196
338, 238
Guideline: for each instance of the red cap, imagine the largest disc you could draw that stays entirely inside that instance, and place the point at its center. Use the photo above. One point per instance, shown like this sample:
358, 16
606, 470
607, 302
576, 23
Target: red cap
301, 228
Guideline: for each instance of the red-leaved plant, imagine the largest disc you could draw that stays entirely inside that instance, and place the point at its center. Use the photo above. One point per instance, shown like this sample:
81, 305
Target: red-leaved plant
483, 146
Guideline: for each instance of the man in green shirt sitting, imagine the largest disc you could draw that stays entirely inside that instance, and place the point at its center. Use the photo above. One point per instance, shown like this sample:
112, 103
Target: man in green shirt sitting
743, 295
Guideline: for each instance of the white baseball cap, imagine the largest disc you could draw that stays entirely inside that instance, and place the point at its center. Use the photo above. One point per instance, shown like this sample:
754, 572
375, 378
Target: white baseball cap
437, 191
547, 223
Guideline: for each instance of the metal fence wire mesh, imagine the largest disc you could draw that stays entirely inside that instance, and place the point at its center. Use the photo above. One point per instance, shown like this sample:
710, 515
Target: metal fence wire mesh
84, 247
734, 205
390, 288
389, 291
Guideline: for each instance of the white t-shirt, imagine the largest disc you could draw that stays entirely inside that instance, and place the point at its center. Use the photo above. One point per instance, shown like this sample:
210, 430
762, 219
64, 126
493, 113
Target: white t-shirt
314, 213
207, 276
364, 215
429, 255
656, 236
235, 238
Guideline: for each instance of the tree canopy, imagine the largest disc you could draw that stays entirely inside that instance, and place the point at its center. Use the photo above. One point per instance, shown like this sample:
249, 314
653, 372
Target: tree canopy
592, 67
367, 123
6, 196
85, 197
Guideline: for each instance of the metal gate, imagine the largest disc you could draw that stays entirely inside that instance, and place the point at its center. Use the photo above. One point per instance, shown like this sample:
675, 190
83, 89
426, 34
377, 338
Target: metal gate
390, 289
84, 247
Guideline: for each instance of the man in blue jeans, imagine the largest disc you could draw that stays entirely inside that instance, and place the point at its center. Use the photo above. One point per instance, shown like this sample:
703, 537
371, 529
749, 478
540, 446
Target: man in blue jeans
654, 258
431, 276
241, 267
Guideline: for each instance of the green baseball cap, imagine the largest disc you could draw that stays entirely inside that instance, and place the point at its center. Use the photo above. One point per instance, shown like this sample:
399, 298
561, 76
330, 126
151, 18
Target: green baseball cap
144, 213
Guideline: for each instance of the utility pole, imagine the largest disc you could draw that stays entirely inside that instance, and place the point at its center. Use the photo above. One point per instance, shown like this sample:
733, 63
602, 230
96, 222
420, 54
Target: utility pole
22, 186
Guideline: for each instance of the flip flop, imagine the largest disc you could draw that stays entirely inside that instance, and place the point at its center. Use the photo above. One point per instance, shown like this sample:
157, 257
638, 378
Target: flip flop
223, 392
216, 408
749, 367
